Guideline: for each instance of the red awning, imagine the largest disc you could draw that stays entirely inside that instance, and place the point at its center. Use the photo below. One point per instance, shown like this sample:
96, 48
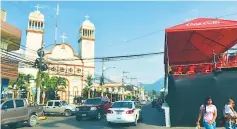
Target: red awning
194, 41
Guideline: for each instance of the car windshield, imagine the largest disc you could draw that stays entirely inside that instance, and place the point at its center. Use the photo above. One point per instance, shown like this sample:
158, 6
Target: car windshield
93, 101
122, 105
64, 103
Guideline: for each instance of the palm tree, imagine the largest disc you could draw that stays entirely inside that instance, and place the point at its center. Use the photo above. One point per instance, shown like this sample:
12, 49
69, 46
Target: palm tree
22, 83
88, 84
57, 83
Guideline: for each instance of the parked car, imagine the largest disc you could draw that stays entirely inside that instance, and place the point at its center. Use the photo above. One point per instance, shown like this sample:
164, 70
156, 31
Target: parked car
59, 107
93, 108
154, 103
14, 111
124, 112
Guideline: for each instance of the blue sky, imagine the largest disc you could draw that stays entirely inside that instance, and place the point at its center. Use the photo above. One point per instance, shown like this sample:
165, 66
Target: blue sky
117, 22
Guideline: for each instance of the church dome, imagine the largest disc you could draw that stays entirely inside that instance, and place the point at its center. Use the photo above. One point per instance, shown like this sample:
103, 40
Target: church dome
36, 15
88, 24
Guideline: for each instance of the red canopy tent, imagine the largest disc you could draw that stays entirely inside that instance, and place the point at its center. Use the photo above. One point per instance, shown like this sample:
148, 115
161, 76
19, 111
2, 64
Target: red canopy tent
195, 41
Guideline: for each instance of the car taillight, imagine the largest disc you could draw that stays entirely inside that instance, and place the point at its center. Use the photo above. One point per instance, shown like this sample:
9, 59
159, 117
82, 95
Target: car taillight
110, 112
129, 112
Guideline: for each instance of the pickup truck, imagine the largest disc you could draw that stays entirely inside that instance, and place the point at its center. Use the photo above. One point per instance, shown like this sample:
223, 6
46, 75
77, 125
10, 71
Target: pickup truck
93, 108
59, 107
14, 111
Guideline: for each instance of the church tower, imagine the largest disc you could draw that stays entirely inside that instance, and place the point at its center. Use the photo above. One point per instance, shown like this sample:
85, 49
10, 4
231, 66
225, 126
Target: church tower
34, 33
87, 44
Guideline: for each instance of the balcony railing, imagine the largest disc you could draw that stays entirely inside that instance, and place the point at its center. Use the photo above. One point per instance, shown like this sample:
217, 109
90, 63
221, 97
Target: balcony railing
223, 60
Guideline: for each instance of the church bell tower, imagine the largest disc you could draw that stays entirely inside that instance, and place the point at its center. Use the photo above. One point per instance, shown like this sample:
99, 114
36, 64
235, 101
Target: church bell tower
86, 43
34, 33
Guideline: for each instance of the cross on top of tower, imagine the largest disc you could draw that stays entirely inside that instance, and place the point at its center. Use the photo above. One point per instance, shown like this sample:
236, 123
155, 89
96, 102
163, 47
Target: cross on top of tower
63, 37
87, 17
37, 7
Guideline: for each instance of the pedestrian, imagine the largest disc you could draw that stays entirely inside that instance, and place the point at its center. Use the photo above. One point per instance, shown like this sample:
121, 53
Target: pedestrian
209, 113
230, 115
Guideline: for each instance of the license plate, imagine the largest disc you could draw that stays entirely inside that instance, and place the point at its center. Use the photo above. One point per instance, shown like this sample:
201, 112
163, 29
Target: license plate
119, 113
83, 114
118, 118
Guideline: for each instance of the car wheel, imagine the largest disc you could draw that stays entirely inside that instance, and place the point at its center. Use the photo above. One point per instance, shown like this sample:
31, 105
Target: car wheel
98, 117
67, 113
78, 118
33, 119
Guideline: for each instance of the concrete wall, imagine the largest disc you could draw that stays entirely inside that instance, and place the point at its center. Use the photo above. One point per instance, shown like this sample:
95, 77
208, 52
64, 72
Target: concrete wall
186, 93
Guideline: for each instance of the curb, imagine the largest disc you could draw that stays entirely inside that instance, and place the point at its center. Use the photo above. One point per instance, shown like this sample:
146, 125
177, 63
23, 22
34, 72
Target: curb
42, 118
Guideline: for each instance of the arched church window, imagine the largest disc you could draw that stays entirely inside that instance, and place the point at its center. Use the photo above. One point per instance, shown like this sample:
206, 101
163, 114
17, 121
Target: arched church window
85, 32
30, 24
33, 24
41, 25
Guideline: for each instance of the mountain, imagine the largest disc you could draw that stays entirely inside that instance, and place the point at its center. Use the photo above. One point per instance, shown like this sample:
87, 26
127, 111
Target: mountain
157, 86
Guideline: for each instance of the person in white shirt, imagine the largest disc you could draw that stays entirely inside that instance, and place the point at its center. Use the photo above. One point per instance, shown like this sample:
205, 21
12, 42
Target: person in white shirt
230, 113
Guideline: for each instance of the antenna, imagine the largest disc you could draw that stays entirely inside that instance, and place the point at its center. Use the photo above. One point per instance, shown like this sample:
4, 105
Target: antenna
56, 26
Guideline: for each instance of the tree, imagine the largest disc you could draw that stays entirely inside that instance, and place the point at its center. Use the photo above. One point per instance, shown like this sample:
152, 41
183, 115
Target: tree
22, 84
88, 84
57, 83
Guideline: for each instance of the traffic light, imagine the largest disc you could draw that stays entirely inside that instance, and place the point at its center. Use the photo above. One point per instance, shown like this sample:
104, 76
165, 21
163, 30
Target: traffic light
40, 62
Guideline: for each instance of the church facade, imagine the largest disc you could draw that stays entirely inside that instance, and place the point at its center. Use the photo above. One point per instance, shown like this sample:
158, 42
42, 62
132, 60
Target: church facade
75, 70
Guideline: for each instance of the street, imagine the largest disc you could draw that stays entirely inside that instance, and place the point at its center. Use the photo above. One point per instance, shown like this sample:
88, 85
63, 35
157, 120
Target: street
152, 119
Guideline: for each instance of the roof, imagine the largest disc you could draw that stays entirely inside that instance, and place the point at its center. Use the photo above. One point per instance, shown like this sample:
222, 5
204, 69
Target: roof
36, 15
88, 24
195, 41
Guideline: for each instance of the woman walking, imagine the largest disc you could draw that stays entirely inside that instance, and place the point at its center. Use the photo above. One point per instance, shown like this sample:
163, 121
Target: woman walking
209, 113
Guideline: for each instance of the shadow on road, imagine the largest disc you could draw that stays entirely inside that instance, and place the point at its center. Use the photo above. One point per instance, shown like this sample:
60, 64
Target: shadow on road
152, 116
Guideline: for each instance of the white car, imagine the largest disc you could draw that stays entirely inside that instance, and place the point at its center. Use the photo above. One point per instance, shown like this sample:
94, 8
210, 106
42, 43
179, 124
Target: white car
124, 112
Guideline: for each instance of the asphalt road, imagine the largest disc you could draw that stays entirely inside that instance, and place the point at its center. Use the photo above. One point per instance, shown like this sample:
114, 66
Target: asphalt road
152, 119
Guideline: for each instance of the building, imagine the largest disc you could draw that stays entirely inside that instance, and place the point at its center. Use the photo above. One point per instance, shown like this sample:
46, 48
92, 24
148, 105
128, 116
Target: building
74, 70
66, 63
10, 41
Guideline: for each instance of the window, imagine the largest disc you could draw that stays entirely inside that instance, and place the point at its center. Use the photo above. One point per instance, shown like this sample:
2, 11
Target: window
56, 103
122, 105
19, 103
64, 103
50, 103
104, 102
93, 101
8, 105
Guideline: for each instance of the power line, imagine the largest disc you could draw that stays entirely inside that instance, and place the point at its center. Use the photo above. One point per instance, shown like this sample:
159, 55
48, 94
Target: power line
109, 58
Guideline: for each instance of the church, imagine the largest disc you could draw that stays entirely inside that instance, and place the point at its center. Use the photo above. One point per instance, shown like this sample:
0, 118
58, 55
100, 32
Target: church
75, 70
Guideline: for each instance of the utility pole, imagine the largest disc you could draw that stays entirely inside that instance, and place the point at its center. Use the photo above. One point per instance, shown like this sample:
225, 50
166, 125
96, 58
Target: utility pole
102, 78
123, 84
56, 26
40, 64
